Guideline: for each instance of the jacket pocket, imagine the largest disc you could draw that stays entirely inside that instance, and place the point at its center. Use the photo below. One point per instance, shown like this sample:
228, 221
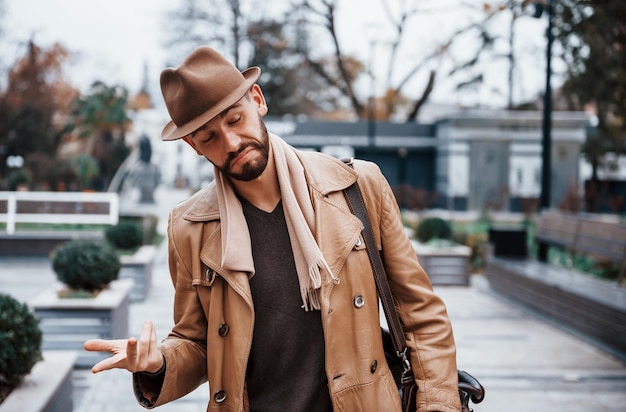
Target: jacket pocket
380, 394
206, 277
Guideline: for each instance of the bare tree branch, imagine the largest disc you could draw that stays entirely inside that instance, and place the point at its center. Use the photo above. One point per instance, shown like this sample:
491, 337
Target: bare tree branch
412, 116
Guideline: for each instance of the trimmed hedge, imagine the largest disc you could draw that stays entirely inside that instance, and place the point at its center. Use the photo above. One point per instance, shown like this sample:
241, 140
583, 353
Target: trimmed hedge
433, 228
20, 340
85, 264
125, 235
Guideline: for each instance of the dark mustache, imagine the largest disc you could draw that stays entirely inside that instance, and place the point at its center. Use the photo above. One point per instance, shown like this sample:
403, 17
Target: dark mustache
233, 155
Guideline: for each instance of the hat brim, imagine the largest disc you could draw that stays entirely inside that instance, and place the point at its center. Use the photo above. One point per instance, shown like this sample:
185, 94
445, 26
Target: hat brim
172, 131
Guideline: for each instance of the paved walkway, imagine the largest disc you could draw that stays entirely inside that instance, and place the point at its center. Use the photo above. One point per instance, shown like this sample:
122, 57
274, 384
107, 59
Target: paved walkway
525, 364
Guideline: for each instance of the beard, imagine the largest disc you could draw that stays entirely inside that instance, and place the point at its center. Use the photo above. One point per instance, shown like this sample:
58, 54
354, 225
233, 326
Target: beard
254, 168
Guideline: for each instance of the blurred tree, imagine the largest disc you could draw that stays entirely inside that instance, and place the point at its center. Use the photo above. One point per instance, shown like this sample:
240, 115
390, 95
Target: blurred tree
494, 45
241, 30
87, 170
401, 72
338, 71
282, 77
100, 118
35, 104
593, 39
303, 50
223, 24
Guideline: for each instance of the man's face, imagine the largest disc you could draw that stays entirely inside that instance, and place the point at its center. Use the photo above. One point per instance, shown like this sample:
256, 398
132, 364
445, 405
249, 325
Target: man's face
236, 141
252, 168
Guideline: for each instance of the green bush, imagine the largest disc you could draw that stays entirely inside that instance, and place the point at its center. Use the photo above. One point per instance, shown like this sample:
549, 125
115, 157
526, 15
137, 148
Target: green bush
125, 235
20, 341
433, 228
17, 178
85, 264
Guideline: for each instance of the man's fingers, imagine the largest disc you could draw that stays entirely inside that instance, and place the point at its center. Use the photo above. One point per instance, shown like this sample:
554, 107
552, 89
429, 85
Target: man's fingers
108, 363
146, 336
98, 345
153, 337
102, 345
156, 357
131, 350
115, 347
147, 350
130, 354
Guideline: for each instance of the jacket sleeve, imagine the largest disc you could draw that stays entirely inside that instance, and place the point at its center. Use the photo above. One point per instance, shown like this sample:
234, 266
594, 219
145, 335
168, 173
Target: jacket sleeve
184, 348
425, 321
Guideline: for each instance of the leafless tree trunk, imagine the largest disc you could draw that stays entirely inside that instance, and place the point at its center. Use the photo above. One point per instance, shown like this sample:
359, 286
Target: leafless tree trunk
326, 11
399, 21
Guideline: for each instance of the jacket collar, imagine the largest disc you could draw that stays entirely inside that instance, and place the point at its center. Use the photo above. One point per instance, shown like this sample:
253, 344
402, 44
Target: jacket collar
324, 174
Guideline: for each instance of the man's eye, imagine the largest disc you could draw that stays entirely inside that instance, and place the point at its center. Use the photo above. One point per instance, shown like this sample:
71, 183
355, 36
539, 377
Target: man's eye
203, 136
234, 120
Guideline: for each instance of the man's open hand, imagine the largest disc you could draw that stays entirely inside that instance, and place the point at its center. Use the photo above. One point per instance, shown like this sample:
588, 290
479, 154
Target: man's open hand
134, 355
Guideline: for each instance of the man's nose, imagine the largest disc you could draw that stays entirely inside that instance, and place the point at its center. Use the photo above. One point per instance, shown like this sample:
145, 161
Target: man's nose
231, 141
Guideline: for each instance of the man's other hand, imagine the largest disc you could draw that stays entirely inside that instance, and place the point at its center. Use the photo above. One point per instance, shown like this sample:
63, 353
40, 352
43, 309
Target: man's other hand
134, 355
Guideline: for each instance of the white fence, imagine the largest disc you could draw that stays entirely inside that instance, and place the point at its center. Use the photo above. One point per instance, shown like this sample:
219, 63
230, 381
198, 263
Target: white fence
58, 208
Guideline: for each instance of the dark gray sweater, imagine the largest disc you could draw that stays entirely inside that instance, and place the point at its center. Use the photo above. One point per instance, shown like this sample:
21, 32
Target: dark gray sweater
286, 367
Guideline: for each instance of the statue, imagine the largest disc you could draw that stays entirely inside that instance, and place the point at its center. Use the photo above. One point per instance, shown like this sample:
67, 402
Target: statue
144, 175
145, 149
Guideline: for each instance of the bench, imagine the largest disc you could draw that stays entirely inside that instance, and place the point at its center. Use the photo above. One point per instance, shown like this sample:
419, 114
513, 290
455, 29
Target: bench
558, 229
604, 241
53, 209
593, 308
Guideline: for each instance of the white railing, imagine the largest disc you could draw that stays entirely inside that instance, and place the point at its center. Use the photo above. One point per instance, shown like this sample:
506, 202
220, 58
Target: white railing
39, 207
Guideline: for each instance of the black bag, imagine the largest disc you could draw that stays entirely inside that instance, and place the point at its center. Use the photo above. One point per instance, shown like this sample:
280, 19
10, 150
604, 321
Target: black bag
469, 387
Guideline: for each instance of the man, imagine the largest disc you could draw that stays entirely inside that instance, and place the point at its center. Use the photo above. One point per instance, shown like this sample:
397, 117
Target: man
275, 303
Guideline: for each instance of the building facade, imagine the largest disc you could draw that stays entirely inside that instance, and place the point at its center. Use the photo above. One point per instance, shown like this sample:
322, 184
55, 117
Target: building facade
474, 160
469, 161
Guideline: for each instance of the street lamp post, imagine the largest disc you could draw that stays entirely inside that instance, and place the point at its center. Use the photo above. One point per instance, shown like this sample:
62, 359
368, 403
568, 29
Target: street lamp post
371, 108
546, 141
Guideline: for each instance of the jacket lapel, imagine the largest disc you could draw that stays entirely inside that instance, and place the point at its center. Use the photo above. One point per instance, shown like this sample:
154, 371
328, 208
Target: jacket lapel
204, 209
337, 229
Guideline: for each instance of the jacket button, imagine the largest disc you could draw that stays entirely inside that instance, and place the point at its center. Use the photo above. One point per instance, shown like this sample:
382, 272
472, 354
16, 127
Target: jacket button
359, 301
358, 242
374, 366
219, 396
209, 274
223, 330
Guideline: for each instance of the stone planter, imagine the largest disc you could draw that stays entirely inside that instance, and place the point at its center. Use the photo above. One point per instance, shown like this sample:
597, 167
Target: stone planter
138, 267
447, 265
48, 386
67, 323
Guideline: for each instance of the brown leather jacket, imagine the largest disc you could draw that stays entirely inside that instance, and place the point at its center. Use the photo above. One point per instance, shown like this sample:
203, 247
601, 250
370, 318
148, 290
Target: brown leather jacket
214, 316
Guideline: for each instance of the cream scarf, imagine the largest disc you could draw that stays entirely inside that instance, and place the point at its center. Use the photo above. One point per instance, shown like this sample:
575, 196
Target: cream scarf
300, 217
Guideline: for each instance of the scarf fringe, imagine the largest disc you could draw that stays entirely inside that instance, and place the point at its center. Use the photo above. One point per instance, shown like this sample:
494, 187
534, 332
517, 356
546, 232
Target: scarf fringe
311, 299
311, 292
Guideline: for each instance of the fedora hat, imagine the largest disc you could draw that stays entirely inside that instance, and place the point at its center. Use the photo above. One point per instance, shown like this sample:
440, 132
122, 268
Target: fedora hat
202, 87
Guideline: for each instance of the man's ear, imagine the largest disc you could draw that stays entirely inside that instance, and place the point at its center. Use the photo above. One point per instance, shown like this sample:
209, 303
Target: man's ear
259, 99
188, 140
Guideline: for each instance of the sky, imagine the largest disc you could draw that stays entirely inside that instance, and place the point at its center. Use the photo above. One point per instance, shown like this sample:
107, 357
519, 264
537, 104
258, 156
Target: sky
116, 40
112, 40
